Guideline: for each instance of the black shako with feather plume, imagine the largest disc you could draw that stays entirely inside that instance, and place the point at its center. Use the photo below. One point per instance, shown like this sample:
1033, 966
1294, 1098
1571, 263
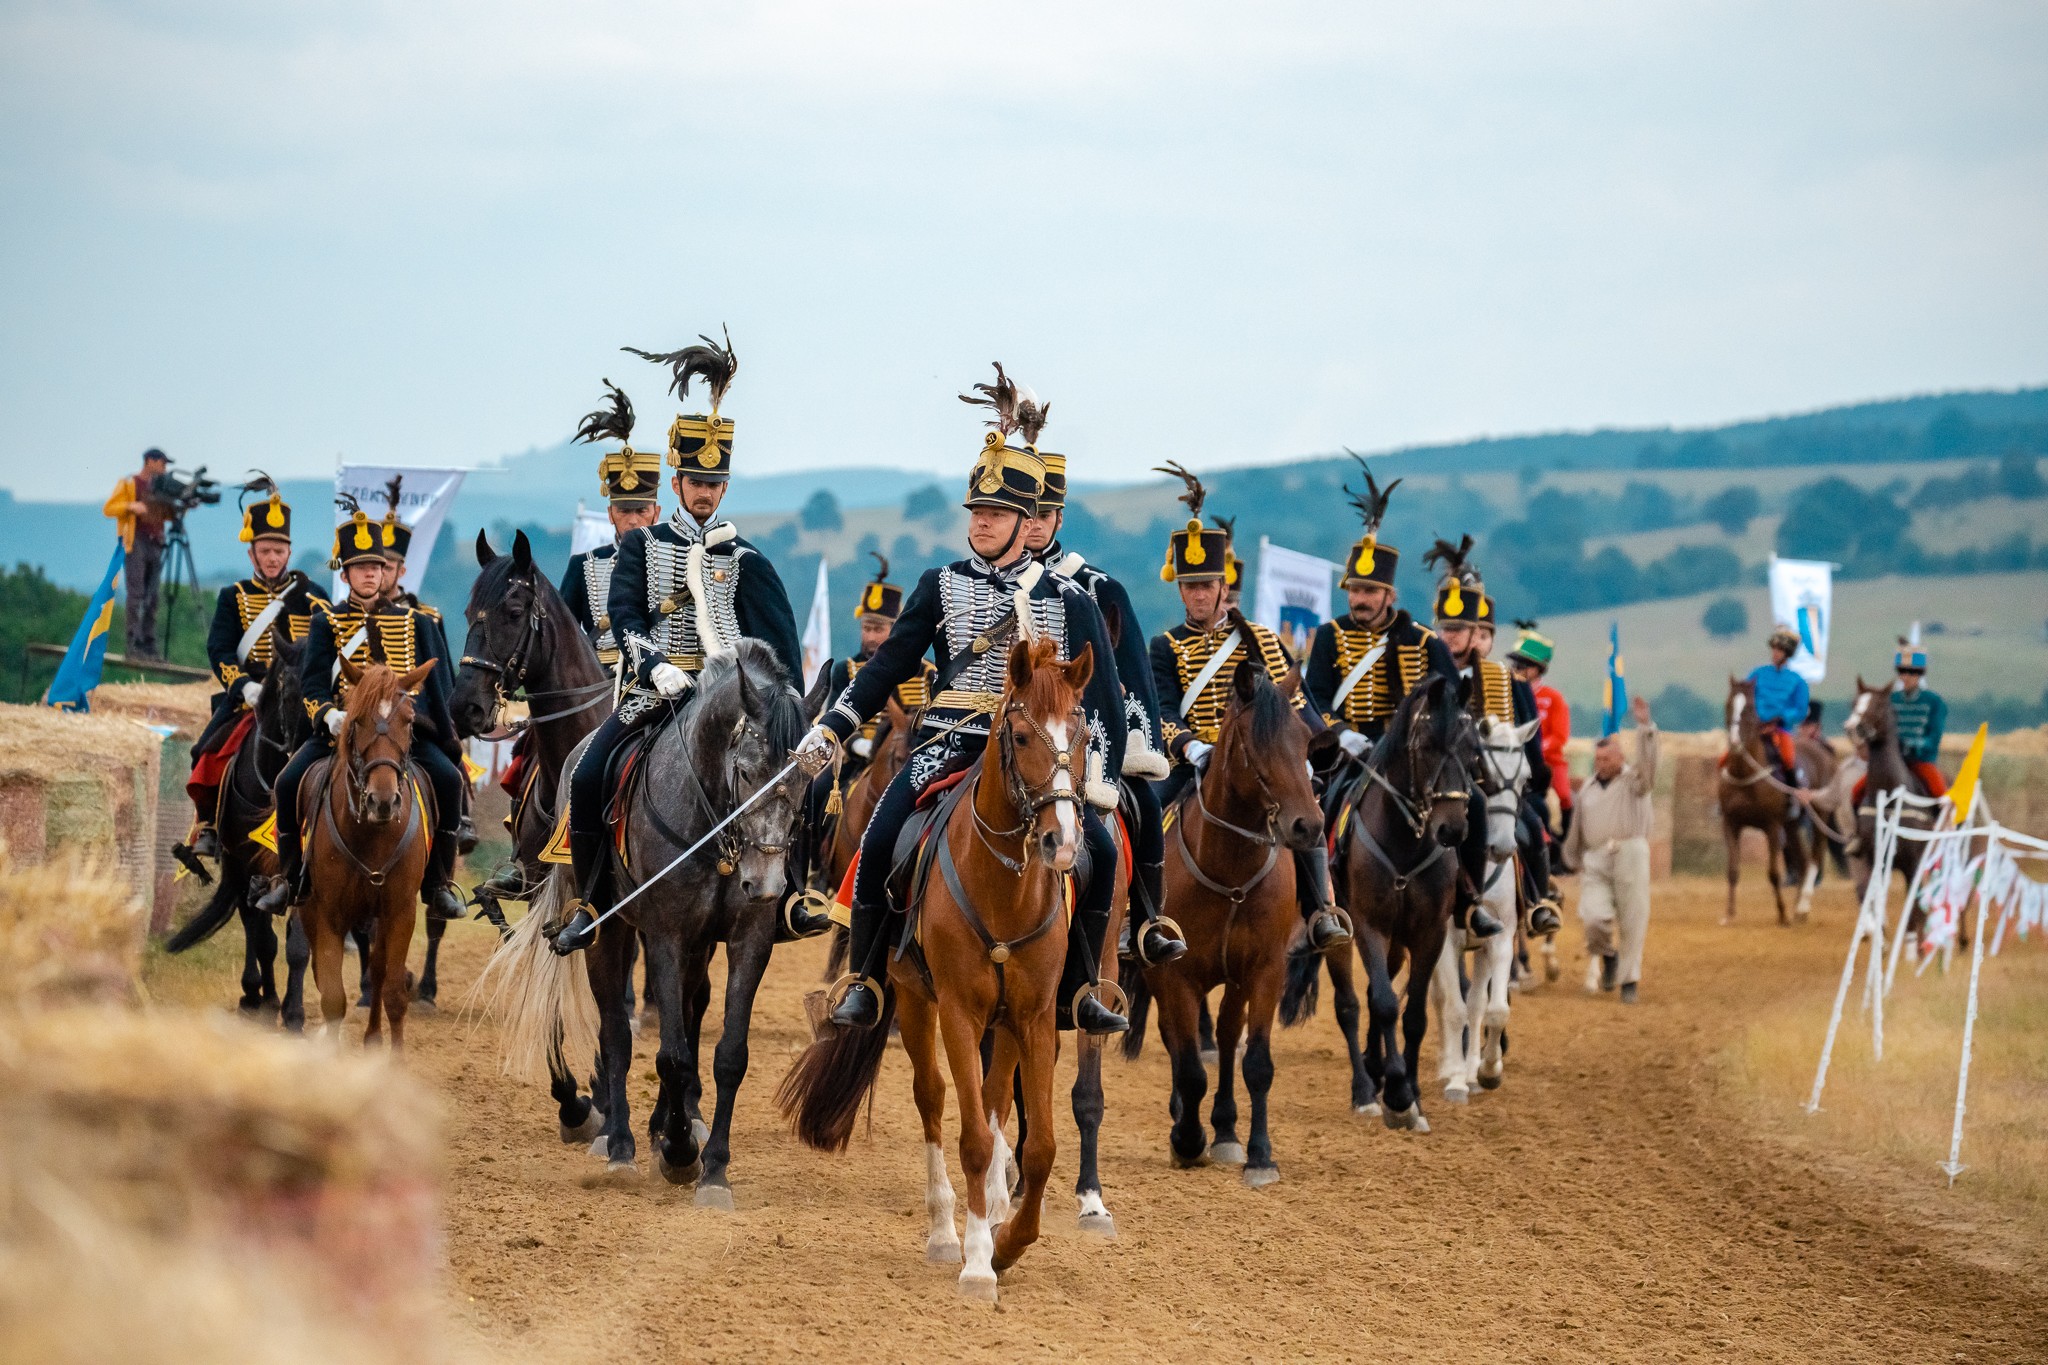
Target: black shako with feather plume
259, 482
1195, 495
713, 363
1451, 561
614, 423
1372, 503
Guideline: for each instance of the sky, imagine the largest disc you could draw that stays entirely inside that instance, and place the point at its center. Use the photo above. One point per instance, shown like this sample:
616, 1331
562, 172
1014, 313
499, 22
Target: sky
264, 235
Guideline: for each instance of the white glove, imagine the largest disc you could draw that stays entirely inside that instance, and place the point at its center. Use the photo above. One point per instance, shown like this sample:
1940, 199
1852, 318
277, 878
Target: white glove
1197, 752
250, 692
1353, 743
335, 716
814, 750
669, 680
862, 746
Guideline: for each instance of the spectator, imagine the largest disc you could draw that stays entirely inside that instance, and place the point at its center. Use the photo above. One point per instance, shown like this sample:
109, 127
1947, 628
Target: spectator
1609, 846
134, 506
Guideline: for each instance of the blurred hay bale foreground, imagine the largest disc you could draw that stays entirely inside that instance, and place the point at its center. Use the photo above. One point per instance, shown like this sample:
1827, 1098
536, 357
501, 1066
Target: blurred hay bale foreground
69, 931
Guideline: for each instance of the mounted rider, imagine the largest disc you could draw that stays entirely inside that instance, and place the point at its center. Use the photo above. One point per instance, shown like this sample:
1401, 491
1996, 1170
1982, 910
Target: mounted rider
1465, 618
1919, 715
1781, 703
397, 541
239, 648
1530, 661
631, 480
1192, 665
1146, 937
371, 626
967, 614
680, 590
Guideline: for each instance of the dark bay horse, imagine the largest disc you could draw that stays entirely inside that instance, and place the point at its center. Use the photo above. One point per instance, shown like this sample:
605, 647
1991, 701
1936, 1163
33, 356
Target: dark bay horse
1751, 796
1230, 882
994, 949
1872, 725
371, 829
732, 739
247, 866
1400, 879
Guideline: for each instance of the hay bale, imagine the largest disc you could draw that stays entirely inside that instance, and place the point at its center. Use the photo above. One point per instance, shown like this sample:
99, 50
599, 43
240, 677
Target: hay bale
68, 932
187, 706
82, 781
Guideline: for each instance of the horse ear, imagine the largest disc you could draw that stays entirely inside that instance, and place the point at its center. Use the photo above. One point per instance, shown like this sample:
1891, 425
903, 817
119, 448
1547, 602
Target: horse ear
1244, 682
1860, 685
410, 681
522, 552
1290, 686
484, 553
898, 717
1082, 669
1020, 666
1526, 732
746, 690
349, 672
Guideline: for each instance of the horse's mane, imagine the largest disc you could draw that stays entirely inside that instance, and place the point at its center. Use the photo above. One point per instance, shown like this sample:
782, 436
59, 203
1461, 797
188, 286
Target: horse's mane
378, 685
718, 702
1442, 719
1047, 694
1269, 713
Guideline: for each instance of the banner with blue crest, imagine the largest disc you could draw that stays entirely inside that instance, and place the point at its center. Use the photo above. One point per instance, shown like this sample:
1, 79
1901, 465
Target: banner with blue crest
1614, 700
79, 674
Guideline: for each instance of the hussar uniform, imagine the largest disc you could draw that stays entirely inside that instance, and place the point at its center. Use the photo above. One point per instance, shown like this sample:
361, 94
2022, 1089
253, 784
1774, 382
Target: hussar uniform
1359, 672
631, 480
1919, 717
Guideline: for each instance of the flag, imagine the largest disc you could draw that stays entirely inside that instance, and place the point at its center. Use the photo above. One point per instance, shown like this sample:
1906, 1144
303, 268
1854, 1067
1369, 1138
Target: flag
593, 530
79, 674
1294, 594
423, 506
1614, 698
1802, 598
818, 629
1963, 794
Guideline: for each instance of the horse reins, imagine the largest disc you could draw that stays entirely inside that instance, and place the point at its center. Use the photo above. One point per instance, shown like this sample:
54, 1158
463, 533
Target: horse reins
1270, 841
356, 776
510, 676
1416, 815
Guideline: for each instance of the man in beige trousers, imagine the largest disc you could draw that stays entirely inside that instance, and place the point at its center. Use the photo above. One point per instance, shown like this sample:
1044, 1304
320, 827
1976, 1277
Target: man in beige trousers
1609, 847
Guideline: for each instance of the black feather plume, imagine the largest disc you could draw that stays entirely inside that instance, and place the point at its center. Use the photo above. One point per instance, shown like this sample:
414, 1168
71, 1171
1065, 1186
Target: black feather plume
1520, 624
1000, 398
1032, 415
260, 482
1195, 496
882, 573
614, 423
1453, 560
1372, 503
347, 502
715, 364
392, 491
1228, 526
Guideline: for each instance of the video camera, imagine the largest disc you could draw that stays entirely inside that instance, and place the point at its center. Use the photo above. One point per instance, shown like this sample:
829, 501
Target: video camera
183, 492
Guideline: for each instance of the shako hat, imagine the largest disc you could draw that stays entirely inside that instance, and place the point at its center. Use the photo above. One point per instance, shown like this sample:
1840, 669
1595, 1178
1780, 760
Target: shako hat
880, 597
269, 519
1233, 567
629, 477
1911, 655
1532, 648
358, 540
395, 534
1370, 561
1195, 552
1460, 595
1008, 474
699, 444
1055, 498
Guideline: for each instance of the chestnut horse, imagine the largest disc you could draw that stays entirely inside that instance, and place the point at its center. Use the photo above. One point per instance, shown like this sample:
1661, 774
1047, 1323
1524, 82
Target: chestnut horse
994, 949
1751, 796
1231, 887
371, 830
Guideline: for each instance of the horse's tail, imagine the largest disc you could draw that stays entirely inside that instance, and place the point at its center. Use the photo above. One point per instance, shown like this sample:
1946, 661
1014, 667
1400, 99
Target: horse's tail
821, 1095
211, 917
1304, 984
1138, 995
542, 1001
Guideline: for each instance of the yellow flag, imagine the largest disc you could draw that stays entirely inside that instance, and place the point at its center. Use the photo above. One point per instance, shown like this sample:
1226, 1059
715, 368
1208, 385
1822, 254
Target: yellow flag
1964, 792
266, 833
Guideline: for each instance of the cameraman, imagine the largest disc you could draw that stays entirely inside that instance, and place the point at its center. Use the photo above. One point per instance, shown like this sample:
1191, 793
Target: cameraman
141, 514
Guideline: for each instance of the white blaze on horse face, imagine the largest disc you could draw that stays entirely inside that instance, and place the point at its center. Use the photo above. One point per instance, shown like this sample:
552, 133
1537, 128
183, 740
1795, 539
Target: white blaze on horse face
384, 709
1735, 719
1855, 721
1063, 783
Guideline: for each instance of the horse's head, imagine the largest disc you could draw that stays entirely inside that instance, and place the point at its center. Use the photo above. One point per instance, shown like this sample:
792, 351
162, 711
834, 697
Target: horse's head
376, 738
1435, 754
1870, 716
1041, 737
280, 710
1739, 714
508, 605
1262, 755
1507, 769
745, 731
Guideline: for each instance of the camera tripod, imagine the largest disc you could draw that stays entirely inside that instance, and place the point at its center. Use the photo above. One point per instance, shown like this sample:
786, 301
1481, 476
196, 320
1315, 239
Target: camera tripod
179, 573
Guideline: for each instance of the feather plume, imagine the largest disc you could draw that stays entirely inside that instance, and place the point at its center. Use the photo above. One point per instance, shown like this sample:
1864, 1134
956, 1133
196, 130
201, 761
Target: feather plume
1000, 398
1521, 624
1228, 526
259, 482
1195, 496
713, 363
392, 490
1372, 503
1032, 415
614, 423
882, 573
1453, 559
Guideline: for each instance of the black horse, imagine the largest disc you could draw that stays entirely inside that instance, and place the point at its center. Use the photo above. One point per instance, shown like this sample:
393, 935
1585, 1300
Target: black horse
246, 866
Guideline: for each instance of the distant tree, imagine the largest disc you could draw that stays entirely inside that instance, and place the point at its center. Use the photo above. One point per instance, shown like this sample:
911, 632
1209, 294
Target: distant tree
904, 554
2019, 475
1951, 433
1647, 507
821, 512
928, 503
1678, 707
869, 544
777, 541
1725, 617
1733, 508
1688, 569
1834, 519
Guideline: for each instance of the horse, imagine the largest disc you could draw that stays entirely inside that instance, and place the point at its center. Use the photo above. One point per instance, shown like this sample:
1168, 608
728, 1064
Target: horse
1232, 891
1401, 878
856, 805
246, 866
1472, 1009
728, 748
992, 942
1751, 797
1872, 726
366, 851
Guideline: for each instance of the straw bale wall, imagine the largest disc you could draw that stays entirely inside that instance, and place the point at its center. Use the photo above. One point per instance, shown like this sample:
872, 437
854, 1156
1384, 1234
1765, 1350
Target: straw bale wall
82, 782
185, 706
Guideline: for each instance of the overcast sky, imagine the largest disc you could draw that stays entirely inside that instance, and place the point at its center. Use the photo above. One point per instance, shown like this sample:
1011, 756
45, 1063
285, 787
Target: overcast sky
262, 233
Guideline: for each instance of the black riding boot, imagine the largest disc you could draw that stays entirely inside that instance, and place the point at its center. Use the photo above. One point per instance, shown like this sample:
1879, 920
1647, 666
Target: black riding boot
1078, 1007
861, 1005
1146, 940
586, 851
444, 902
206, 843
1327, 925
283, 887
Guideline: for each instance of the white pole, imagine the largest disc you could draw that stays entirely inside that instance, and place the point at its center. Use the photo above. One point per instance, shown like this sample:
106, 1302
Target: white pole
1827, 1048
1891, 970
1953, 1167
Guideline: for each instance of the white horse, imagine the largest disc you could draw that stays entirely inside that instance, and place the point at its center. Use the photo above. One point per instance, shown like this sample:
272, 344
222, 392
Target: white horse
1472, 1021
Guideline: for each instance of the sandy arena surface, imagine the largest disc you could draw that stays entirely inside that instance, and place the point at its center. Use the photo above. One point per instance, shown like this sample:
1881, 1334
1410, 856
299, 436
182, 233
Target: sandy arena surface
1605, 1204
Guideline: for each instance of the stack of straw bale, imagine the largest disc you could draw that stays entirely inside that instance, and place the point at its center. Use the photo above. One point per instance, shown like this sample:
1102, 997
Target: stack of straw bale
80, 781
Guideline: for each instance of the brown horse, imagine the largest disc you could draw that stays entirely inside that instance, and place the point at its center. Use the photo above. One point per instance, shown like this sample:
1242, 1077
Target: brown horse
1752, 796
992, 928
1872, 726
1231, 887
372, 829
892, 750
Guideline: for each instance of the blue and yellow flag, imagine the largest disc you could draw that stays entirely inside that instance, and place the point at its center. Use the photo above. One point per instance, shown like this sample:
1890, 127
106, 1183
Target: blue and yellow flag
1614, 699
79, 674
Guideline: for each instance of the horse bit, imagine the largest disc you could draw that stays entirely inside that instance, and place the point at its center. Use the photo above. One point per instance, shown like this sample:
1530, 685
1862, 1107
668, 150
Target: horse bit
510, 676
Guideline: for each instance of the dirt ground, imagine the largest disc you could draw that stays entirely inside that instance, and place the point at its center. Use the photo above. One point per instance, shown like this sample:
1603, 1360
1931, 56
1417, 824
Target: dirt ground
1610, 1202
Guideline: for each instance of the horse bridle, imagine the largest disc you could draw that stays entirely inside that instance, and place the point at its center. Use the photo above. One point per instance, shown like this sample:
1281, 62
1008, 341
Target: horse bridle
733, 840
1026, 799
355, 791
509, 678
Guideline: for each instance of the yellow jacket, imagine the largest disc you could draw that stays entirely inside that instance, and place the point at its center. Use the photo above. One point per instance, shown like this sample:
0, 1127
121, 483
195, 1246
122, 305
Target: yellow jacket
121, 504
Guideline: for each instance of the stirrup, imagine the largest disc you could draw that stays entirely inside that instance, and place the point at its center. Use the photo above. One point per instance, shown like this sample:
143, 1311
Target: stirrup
813, 904
835, 996
1346, 930
1164, 924
1090, 991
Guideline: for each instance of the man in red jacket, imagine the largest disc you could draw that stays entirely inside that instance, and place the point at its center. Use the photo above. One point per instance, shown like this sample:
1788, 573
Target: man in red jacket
1530, 660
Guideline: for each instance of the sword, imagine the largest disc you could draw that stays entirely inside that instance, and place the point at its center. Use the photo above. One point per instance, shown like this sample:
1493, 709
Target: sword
677, 861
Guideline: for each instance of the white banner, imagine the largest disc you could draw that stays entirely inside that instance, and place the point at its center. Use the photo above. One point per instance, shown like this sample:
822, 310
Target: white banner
1294, 594
1803, 599
818, 629
423, 505
592, 529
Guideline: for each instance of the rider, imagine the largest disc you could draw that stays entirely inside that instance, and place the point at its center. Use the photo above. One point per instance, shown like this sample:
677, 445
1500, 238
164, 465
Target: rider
397, 538
1465, 619
1529, 661
1781, 701
1146, 939
371, 626
240, 650
1532, 818
1192, 666
631, 480
1918, 714
967, 615
680, 589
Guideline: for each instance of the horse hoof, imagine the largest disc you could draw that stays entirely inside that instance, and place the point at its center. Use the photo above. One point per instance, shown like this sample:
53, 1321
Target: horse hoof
600, 1146
1421, 1124
676, 1175
1369, 1110
622, 1167
941, 1250
1487, 1082
1258, 1177
979, 1288
1227, 1153
1457, 1094
425, 1004
700, 1133
717, 1197
592, 1125
1209, 1056
1189, 1163
1099, 1225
